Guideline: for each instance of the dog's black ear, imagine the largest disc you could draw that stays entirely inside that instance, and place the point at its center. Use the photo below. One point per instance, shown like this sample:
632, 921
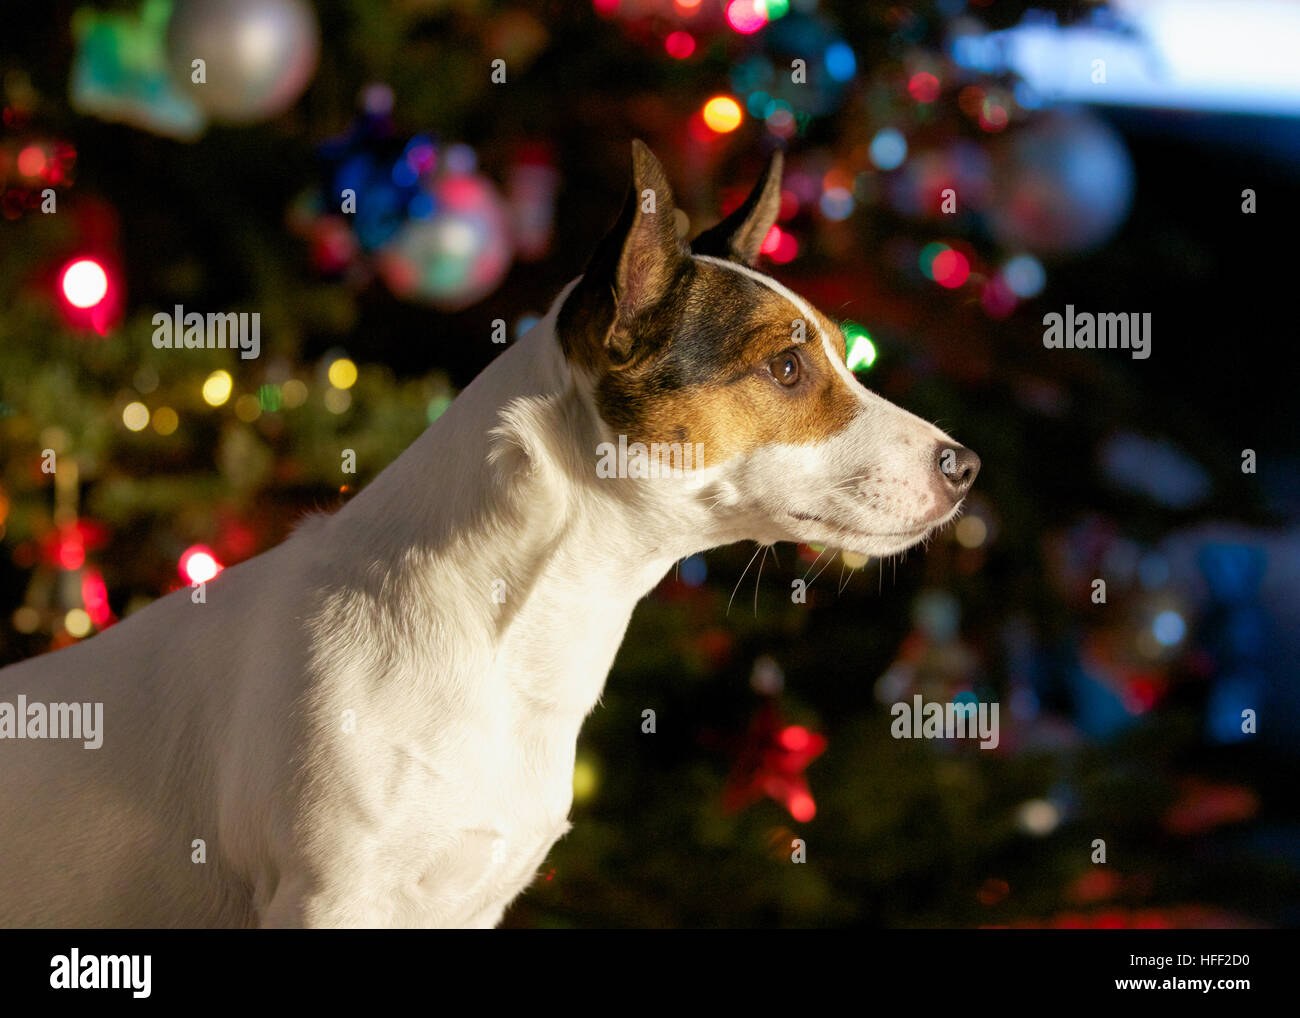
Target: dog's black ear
634, 266
741, 234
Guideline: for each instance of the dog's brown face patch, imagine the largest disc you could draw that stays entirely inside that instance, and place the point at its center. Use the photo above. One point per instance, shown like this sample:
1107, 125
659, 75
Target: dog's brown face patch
688, 347
728, 364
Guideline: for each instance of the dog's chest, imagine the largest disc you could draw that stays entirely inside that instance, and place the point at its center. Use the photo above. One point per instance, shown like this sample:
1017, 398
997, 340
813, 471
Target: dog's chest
471, 824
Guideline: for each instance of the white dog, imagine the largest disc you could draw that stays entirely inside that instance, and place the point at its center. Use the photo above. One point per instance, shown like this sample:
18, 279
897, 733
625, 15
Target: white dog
373, 724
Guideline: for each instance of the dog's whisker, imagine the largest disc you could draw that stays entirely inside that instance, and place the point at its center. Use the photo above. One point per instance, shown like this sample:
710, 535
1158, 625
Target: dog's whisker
742, 577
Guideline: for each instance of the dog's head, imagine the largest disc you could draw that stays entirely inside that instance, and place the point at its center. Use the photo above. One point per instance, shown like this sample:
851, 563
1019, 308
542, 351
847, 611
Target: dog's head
694, 349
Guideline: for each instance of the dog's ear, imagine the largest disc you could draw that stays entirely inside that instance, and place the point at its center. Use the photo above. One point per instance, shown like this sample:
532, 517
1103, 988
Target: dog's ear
741, 234
634, 266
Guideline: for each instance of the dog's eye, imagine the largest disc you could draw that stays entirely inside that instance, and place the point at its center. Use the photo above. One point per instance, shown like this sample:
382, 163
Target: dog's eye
785, 368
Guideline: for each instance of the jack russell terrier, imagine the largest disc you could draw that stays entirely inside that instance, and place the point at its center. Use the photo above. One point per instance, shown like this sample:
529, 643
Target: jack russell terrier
374, 723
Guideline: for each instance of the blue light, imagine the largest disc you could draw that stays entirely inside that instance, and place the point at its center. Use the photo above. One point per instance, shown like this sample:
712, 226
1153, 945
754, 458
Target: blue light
1169, 628
421, 206
403, 174
836, 204
1024, 275
694, 571
888, 149
525, 323
841, 64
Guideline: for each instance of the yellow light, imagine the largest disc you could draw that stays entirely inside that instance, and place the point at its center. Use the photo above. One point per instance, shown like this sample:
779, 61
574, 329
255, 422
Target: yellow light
853, 559
337, 400
26, 619
135, 416
722, 114
248, 408
294, 393
216, 390
585, 780
343, 374
165, 420
971, 531
77, 623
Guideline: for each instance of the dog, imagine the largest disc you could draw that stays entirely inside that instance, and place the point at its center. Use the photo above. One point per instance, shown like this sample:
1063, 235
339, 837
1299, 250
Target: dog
373, 724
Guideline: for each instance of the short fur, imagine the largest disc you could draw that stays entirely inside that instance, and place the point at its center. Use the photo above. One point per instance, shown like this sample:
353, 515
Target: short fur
356, 728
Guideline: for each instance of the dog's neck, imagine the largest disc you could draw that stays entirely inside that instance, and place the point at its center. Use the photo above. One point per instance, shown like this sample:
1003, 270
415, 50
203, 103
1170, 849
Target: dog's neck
495, 512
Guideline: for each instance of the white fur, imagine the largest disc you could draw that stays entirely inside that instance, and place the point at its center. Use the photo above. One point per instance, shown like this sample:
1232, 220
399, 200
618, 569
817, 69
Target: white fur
226, 721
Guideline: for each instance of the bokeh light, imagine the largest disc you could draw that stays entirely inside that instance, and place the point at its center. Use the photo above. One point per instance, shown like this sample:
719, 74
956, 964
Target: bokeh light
841, 64
722, 114
888, 149
680, 45
217, 388
84, 283
951, 268
135, 416
923, 87
198, 564
860, 351
746, 16
1024, 275
343, 374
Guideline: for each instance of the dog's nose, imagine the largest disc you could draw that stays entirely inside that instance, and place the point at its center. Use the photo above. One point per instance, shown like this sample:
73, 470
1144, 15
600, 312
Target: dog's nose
957, 467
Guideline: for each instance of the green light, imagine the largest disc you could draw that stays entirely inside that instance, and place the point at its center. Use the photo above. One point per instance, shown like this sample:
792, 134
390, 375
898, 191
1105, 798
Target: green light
860, 352
268, 398
929, 253
775, 8
437, 406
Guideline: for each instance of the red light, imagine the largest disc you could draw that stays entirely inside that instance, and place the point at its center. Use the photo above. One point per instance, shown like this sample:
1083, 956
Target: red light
795, 738
95, 596
993, 117
680, 45
950, 268
773, 240
789, 205
786, 249
746, 16
802, 807
31, 161
72, 553
923, 87
606, 8
198, 564
84, 283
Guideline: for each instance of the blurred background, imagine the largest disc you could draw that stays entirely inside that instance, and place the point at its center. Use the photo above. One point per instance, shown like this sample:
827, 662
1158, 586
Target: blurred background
955, 172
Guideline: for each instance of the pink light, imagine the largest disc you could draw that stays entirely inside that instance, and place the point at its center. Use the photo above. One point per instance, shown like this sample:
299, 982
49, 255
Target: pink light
198, 564
746, 16
606, 8
95, 596
773, 239
84, 283
786, 249
950, 268
923, 87
680, 45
